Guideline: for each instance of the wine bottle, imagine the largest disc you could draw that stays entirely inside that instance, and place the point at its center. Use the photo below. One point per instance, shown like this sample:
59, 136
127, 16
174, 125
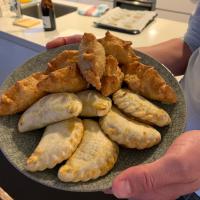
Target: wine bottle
48, 15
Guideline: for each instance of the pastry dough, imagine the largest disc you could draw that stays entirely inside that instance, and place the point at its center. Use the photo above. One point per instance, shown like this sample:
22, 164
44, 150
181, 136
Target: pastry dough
92, 60
139, 107
112, 77
50, 109
57, 144
94, 157
127, 132
21, 95
94, 104
67, 79
118, 48
146, 80
63, 59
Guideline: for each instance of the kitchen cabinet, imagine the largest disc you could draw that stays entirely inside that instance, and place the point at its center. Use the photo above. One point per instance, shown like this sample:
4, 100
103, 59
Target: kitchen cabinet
179, 10
95, 2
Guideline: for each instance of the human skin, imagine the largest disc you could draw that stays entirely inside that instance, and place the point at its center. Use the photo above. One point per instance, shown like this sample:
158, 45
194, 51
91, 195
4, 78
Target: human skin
60, 41
178, 171
174, 54
175, 174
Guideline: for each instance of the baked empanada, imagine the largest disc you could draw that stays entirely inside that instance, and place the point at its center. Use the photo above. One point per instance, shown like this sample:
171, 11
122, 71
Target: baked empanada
57, 144
50, 109
94, 103
92, 60
118, 48
94, 157
63, 59
146, 80
67, 79
112, 77
139, 107
21, 95
128, 132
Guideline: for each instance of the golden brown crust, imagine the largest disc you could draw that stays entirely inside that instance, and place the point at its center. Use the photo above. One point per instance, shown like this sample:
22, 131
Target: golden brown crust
94, 157
92, 60
21, 95
128, 132
140, 108
67, 79
118, 48
48, 153
65, 58
112, 78
94, 103
146, 80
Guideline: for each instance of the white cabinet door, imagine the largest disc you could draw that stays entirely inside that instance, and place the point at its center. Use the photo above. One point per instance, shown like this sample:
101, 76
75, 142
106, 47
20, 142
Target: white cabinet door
182, 6
97, 2
178, 10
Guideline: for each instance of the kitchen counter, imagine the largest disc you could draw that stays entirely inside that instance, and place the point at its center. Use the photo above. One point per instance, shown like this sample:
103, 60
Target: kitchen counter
157, 31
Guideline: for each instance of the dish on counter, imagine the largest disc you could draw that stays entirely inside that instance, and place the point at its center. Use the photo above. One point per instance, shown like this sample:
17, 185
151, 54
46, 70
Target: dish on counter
130, 21
78, 110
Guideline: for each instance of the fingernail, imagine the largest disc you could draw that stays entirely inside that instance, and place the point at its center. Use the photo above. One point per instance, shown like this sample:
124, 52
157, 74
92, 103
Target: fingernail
108, 191
123, 190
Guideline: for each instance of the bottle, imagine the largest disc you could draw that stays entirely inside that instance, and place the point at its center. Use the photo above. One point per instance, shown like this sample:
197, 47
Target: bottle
48, 15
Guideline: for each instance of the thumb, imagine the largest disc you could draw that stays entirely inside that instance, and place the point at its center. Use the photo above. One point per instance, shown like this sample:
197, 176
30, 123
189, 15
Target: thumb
136, 181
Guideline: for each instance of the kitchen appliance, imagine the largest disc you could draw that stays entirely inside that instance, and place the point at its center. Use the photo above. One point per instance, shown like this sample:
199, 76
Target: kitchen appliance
136, 4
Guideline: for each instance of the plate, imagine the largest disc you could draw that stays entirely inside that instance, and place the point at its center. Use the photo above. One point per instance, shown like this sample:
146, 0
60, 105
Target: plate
17, 146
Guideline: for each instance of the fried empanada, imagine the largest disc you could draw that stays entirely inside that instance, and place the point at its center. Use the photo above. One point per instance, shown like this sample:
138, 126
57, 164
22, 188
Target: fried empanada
63, 59
67, 79
92, 60
112, 77
57, 144
50, 109
128, 132
21, 95
146, 80
94, 157
118, 48
140, 108
94, 103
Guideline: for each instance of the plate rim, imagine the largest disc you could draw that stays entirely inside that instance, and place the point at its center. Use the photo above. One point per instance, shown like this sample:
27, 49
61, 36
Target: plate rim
34, 178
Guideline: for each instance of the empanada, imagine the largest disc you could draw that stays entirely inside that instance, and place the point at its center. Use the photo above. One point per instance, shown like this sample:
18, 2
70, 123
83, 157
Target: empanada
118, 48
21, 95
92, 60
112, 78
94, 103
94, 157
146, 80
139, 107
67, 79
50, 109
57, 144
128, 132
63, 59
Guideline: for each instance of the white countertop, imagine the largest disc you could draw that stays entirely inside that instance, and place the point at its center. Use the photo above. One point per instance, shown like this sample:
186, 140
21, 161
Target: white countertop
157, 31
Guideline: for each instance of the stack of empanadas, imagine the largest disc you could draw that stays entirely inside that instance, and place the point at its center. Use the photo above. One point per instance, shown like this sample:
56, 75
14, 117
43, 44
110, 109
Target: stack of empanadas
82, 101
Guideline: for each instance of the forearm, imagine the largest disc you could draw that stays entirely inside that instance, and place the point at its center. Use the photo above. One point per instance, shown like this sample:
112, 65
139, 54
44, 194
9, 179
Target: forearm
174, 54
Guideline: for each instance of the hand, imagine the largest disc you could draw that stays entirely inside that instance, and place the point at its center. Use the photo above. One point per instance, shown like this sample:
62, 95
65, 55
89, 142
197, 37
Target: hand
175, 174
60, 41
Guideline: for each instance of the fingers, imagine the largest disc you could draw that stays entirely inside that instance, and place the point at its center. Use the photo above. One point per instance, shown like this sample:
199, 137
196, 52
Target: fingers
169, 192
108, 191
60, 41
146, 178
